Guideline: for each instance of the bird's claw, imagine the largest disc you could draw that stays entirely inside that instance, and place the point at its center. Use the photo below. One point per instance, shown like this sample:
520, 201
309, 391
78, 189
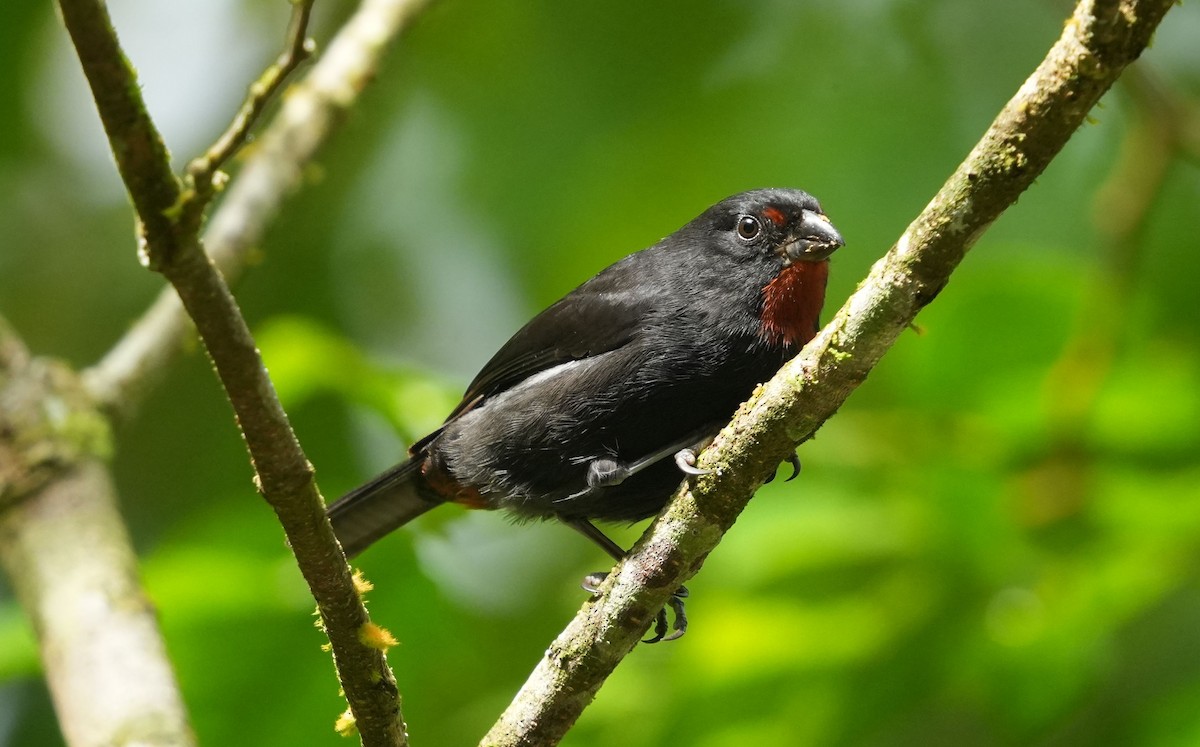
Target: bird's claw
795, 462
660, 620
591, 584
685, 460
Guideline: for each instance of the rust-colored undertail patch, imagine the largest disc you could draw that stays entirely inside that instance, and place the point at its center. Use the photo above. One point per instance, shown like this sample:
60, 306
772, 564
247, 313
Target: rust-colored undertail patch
450, 489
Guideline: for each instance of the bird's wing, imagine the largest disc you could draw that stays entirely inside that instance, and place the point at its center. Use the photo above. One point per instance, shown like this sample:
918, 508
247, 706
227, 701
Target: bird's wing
590, 321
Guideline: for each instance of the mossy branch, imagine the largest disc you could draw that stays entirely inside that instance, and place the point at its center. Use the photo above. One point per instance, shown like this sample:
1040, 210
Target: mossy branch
63, 546
1098, 41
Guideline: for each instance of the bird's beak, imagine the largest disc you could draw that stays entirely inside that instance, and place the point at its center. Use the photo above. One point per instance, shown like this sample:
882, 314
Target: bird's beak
816, 239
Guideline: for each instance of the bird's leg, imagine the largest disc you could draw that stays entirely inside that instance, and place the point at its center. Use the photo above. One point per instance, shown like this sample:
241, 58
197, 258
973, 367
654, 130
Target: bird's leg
603, 473
685, 457
592, 581
589, 530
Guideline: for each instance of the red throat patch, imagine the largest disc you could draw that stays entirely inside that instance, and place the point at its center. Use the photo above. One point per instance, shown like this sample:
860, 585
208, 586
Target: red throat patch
792, 303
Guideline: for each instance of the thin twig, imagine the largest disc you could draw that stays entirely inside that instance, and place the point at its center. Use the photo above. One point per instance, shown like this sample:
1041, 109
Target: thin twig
1058, 481
202, 171
274, 170
1102, 37
284, 477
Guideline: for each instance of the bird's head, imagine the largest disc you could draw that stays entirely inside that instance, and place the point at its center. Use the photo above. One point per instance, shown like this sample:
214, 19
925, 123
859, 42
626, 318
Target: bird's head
785, 236
784, 223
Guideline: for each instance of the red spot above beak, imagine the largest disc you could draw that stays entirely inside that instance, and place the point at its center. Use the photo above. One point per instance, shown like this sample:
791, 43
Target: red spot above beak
775, 215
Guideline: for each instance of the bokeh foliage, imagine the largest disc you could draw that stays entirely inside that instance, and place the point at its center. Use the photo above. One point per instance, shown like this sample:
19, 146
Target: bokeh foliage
995, 542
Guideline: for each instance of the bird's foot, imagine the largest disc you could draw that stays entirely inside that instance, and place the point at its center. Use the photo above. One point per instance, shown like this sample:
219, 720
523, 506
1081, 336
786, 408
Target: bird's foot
685, 460
591, 584
679, 627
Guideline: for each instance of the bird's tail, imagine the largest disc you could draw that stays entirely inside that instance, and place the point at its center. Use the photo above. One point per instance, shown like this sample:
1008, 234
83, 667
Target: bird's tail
370, 511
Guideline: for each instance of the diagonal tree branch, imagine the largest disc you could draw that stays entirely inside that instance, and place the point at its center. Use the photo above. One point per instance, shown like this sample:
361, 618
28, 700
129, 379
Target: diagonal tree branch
1099, 40
170, 243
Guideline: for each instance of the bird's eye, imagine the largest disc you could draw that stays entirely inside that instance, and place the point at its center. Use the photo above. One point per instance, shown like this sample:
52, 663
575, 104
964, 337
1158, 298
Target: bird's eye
748, 227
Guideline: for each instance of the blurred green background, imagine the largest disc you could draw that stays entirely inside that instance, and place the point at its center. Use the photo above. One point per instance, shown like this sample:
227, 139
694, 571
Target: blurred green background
995, 542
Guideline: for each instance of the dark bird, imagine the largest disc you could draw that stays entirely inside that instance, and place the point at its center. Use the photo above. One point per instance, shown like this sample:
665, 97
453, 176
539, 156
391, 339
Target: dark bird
595, 408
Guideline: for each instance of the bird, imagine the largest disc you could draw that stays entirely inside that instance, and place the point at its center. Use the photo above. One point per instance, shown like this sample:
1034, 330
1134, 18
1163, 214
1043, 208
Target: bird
596, 408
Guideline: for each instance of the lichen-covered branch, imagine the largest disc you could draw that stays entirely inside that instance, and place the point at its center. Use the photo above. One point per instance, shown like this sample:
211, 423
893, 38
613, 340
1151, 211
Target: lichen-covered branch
69, 558
65, 551
48, 423
1100, 39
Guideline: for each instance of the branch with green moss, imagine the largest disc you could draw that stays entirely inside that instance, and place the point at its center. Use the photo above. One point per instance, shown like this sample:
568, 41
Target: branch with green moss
1101, 38
64, 549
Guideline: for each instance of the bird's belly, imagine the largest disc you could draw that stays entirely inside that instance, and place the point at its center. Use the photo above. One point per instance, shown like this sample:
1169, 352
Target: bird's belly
528, 449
